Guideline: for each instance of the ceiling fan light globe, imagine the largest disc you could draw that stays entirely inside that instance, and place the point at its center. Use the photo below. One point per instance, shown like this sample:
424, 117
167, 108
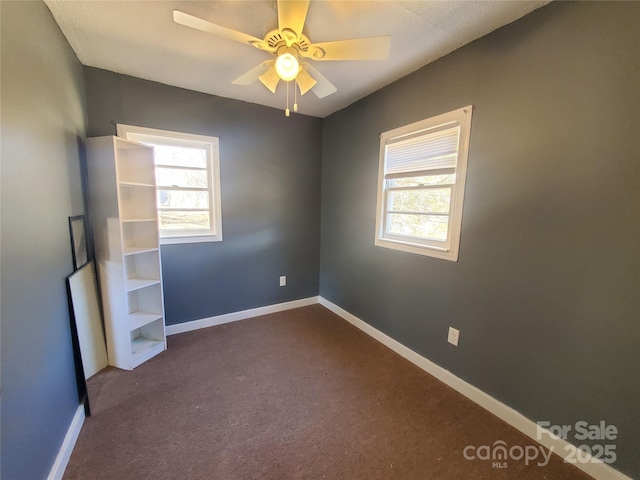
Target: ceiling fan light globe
287, 67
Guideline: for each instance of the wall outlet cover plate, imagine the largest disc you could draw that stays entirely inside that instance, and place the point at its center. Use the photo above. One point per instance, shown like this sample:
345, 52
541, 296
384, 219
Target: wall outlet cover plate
454, 336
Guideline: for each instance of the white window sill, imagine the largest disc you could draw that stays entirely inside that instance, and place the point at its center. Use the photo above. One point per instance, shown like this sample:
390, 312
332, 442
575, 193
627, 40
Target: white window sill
418, 249
190, 239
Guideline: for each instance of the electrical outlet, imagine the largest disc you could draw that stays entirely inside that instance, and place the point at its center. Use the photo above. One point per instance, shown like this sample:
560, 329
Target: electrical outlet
283, 280
454, 336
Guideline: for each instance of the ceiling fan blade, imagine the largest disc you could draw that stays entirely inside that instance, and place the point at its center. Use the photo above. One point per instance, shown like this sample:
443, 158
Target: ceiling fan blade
206, 26
270, 79
291, 17
305, 81
370, 48
323, 87
252, 75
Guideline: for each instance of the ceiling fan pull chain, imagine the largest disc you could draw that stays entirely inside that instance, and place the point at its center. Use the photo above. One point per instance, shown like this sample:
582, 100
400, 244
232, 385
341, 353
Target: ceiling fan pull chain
295, 97
286, 112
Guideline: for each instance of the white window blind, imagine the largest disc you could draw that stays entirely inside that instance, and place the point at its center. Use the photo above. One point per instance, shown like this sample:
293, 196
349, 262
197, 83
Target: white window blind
422, 151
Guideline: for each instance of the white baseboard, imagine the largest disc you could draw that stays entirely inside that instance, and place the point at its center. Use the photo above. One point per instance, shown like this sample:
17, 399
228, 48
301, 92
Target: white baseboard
235, 316
596, 468
59, 466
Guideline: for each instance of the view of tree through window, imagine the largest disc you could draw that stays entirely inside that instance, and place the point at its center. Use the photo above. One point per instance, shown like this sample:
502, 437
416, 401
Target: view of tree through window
183, 188
420, 206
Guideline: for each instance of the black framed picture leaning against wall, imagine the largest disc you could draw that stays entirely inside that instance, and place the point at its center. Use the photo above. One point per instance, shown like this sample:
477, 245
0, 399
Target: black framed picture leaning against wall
78, 232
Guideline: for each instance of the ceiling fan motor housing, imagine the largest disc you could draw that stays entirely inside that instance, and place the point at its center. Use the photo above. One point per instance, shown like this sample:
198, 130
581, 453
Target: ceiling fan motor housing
277, 39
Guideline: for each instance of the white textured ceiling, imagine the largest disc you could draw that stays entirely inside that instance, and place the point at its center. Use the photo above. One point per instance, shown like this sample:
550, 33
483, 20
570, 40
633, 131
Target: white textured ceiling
139, 38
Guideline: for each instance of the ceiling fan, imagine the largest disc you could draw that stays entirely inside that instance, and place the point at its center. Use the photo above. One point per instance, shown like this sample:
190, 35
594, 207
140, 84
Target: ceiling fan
291, 47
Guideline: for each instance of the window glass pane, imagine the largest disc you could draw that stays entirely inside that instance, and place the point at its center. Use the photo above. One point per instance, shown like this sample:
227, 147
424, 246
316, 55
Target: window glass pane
427, 201
182, 199
180, 156
433, 227
423, 180
181, 220
173, 177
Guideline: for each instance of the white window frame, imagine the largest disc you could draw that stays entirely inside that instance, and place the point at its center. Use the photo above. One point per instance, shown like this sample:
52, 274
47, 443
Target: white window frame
449, 249
211, 146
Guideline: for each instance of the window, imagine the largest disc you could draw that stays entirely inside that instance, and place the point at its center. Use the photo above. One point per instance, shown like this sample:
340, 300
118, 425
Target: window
188, 183
421, 185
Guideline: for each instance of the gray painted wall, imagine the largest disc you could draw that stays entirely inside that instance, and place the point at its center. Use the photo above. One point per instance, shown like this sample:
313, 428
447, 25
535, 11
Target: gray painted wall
42, 120
546, 290
270, 182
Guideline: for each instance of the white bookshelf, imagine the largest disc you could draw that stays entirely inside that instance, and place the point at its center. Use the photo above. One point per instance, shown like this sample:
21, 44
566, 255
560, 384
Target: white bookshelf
122, 205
